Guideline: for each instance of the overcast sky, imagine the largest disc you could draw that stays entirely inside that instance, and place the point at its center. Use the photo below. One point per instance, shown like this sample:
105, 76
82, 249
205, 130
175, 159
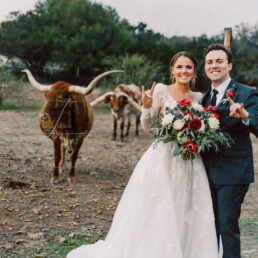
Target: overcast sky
170, 17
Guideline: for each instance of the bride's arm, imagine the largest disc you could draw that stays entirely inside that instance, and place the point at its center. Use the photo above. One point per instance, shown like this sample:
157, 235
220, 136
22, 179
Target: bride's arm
151, 105
146, 118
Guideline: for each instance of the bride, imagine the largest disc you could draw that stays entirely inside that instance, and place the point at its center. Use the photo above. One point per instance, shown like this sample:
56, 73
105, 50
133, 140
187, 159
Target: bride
166, 208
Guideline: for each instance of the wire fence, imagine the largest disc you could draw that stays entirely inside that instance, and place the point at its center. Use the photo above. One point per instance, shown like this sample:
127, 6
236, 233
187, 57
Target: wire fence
30, 203
23, 101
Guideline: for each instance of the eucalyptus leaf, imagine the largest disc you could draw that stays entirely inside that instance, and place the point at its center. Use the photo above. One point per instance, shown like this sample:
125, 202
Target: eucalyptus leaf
176, 151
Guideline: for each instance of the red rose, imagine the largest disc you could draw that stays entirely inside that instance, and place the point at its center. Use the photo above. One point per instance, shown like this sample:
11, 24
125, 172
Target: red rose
185, 126
184, 102
231, 94
216, 115
211, 108
187, 113
191, 147
195, 124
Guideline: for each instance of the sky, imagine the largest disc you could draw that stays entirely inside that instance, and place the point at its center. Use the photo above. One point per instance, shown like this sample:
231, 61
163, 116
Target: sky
169, 17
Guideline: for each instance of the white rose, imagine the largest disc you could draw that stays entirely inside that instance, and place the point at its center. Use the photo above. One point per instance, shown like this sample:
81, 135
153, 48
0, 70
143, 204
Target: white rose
202, 127
214, 123
178, 124
197, 106
167, 120
187, 117
182, 138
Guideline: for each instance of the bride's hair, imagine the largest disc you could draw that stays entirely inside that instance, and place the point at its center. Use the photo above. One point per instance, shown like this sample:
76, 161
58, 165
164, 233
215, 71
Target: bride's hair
188, 55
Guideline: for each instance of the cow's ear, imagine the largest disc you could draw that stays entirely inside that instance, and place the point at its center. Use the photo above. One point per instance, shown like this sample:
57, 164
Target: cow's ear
107, 99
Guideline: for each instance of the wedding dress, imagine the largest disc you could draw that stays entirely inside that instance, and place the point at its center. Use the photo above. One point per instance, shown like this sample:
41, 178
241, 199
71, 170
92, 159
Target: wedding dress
166, 208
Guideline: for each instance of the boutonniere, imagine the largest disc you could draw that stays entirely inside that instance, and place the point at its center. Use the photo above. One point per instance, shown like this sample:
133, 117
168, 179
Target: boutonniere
231, 93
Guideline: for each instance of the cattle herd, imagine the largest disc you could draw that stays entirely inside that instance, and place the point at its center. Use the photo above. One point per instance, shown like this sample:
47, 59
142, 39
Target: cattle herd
67, 117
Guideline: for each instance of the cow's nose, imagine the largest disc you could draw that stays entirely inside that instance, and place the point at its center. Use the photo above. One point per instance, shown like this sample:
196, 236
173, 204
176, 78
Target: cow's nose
43, 116
116, 109
69, 149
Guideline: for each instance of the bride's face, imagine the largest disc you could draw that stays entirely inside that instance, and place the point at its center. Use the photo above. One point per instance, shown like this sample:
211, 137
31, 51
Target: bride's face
183, 70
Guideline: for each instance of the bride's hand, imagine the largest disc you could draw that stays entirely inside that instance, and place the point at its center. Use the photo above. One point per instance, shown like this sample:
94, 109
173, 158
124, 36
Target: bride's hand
147, 96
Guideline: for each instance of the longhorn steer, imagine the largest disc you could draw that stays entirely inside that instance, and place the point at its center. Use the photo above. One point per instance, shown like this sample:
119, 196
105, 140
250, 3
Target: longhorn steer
66, 118
121, 101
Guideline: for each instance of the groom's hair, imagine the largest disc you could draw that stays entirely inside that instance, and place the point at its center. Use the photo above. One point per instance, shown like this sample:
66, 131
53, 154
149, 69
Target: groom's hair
219, 47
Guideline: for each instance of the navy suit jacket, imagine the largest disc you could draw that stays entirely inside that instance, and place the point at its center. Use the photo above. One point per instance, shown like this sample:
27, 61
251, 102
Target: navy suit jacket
234, 166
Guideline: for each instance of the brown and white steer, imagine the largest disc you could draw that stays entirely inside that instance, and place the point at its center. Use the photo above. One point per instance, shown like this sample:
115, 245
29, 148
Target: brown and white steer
123, 101
66, 118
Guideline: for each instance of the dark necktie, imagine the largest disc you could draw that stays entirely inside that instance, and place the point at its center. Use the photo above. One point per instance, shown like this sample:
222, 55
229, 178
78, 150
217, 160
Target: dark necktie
214, 97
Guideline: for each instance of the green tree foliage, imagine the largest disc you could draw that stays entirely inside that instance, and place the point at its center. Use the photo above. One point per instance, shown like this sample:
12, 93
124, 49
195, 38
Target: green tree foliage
138, 69
245, 54
4, 78
79, 36
84, 34
75, 34
24, 38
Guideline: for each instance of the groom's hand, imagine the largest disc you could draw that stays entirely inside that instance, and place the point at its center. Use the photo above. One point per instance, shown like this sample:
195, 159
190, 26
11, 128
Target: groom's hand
237, 110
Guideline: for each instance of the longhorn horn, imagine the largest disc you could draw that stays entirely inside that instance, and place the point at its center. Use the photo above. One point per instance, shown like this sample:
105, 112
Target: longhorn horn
35, 84
100, 99
131, 101
87, 90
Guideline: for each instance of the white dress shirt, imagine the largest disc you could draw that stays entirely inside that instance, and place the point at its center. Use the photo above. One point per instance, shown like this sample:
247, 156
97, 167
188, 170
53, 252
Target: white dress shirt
221, 90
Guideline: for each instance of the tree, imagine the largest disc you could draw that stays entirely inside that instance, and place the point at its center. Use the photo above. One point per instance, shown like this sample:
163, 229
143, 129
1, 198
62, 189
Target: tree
23, 37
138, 69
245, 54
75, 34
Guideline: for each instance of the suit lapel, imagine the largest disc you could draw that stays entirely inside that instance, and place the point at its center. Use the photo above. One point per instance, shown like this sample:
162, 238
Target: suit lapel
205, 98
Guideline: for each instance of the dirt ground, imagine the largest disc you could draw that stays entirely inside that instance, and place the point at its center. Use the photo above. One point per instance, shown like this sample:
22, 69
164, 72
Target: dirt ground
34, 212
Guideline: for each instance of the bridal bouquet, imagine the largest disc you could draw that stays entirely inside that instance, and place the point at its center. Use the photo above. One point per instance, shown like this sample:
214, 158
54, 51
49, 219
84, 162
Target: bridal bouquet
194, 129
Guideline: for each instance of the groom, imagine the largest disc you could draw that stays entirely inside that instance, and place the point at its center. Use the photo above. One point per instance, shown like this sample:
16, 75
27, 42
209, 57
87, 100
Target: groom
230, 171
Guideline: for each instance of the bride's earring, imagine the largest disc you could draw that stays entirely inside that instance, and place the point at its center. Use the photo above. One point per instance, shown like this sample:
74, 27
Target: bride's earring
193, 81
172, 78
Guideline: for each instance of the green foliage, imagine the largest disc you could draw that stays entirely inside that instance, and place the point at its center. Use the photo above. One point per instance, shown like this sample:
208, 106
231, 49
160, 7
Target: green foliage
61, 249
23, 37
245, 53
5, 76
75, 34
84, 34
76, 37
138, 69
21, 96
54, 249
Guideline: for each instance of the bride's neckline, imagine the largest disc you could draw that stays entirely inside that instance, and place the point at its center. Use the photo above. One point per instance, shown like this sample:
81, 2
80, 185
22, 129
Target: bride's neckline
172, 97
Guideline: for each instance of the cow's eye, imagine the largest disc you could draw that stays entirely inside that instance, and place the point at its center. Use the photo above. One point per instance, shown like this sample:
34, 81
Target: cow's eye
63, 98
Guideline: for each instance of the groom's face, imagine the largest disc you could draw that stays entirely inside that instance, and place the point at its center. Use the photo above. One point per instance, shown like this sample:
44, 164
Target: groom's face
217, 67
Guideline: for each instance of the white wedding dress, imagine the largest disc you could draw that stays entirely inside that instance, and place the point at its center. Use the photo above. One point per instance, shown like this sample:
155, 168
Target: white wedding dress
166, 208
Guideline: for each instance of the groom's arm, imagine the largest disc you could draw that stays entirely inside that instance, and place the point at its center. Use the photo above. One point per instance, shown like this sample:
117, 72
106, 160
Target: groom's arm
247, 111
252, 109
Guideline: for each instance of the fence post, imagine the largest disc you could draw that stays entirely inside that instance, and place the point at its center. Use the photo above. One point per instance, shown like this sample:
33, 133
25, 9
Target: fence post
228, 38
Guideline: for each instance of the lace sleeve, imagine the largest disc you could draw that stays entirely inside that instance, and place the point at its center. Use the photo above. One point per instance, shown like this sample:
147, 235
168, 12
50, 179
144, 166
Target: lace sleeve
198, 97
158, 101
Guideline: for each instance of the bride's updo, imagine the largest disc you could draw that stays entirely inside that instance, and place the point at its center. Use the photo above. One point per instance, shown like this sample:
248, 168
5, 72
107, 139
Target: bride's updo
188, 55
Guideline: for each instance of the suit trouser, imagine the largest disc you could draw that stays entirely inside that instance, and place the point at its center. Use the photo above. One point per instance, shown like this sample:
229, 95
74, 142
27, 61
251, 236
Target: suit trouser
227, 201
